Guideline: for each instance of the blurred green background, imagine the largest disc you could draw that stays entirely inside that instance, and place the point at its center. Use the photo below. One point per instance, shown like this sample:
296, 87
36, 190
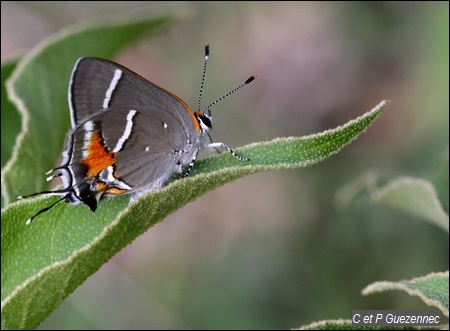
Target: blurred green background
272, 251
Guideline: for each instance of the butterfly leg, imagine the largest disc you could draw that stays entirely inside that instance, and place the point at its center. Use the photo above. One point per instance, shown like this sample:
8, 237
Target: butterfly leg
222, 145
191, 164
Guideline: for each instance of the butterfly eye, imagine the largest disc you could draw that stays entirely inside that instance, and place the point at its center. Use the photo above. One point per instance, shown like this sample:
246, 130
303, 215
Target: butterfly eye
205, 121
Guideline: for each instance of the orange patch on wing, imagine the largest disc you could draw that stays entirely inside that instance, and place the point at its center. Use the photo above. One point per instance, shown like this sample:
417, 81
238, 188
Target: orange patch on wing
102, 187
115, 191
98, 157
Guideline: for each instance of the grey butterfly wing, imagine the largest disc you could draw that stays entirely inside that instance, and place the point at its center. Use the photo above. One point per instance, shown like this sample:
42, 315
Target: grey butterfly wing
155, 145
98, 84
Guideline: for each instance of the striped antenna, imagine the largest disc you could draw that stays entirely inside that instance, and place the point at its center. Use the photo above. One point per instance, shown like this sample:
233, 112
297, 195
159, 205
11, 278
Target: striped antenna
208, 108
205, 62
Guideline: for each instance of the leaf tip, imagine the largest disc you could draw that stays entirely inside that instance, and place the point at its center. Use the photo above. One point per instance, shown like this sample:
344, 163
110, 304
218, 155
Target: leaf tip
383, 104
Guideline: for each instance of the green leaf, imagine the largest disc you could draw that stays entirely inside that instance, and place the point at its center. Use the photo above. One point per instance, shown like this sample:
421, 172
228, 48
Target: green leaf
347, 194
11, 122
415, 196
440, 181
426, 199
44, 262
432, 289
342, 324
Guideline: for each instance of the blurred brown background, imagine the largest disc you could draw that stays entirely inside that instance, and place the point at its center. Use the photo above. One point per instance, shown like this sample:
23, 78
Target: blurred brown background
272, 250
